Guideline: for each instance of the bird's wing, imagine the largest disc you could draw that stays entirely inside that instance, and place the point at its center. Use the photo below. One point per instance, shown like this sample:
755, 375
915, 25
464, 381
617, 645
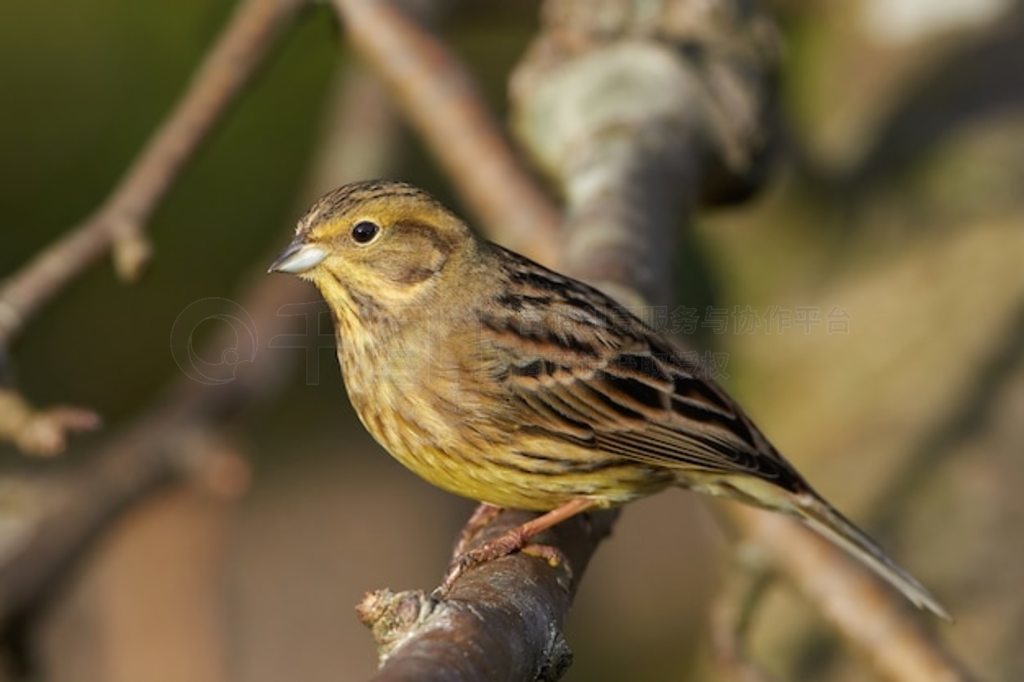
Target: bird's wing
651, 409
577, 375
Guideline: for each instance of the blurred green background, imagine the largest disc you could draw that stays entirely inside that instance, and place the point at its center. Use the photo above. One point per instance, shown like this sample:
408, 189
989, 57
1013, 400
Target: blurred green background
898, 200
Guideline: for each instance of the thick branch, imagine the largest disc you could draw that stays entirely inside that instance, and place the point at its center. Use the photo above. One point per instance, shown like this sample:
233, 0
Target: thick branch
440, 100
56, 515
501, 621
606, 98
120, 221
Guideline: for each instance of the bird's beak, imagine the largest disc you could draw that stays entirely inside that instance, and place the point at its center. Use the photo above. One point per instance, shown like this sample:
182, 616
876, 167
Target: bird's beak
298, 257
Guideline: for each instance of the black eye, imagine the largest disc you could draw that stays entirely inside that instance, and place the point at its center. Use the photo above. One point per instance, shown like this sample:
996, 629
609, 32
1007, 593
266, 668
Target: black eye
364, 231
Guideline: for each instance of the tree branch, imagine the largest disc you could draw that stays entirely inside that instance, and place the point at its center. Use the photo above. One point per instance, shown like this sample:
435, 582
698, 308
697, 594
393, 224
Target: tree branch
869, 615
697, 104
120, 221
240, 49
630, 163
685, 109
501, 621
56, 515
440, 100
732, 614
633, 125
40, 432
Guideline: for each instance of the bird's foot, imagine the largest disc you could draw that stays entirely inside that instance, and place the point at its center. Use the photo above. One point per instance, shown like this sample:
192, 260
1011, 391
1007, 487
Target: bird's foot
512, 541
481, 517
503, 545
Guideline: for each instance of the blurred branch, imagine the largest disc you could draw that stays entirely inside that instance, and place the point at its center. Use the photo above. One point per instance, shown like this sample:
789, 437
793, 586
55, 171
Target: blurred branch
961, 86
868, 614
639, 115
438, 96
56, 516
963, 422
959, 89
164, 559
40, 432
732, 614
120, 221
625, 108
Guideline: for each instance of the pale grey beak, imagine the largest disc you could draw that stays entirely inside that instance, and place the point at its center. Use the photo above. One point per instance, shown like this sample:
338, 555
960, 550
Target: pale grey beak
299, 257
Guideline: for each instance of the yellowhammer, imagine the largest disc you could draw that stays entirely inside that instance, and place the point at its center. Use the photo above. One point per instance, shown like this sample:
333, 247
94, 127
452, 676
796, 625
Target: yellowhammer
497, 379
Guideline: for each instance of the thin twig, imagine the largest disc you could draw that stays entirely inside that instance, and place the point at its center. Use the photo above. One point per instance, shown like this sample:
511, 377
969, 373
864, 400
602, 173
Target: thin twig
40, 431
55, 516
439, 98
732, 614
121, 220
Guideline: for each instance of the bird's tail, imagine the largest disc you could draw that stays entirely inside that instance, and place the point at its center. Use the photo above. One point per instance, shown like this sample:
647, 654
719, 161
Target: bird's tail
827, 521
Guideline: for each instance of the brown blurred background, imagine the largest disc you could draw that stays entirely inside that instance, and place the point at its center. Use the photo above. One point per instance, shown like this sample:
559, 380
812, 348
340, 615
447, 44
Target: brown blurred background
873, 306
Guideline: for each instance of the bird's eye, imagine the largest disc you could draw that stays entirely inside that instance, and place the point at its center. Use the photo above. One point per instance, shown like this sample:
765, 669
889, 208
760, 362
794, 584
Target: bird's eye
364, 231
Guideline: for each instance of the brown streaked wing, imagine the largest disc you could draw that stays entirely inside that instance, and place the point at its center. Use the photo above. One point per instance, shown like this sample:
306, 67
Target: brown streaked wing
583, 369
642, 401
635, 411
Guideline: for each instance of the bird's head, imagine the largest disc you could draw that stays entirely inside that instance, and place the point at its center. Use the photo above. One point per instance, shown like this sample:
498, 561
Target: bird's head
384, 241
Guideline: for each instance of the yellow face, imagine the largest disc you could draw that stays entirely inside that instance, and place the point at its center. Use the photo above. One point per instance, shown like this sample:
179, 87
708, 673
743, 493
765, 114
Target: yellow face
385, 242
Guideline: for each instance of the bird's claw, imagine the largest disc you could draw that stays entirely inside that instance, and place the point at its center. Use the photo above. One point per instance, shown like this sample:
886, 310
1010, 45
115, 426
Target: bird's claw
500, 547
481, 517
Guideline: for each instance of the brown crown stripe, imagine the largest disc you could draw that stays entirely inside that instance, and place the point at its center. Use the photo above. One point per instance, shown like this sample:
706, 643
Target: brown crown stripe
354, 194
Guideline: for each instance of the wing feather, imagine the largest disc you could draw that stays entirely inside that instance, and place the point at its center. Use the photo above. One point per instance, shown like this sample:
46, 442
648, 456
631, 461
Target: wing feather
646, 420
601, 378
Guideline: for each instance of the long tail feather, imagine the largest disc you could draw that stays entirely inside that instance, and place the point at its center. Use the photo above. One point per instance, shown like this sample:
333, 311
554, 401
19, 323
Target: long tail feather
827, 521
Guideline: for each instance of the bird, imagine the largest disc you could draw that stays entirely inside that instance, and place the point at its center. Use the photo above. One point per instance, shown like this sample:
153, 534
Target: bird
500, 380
